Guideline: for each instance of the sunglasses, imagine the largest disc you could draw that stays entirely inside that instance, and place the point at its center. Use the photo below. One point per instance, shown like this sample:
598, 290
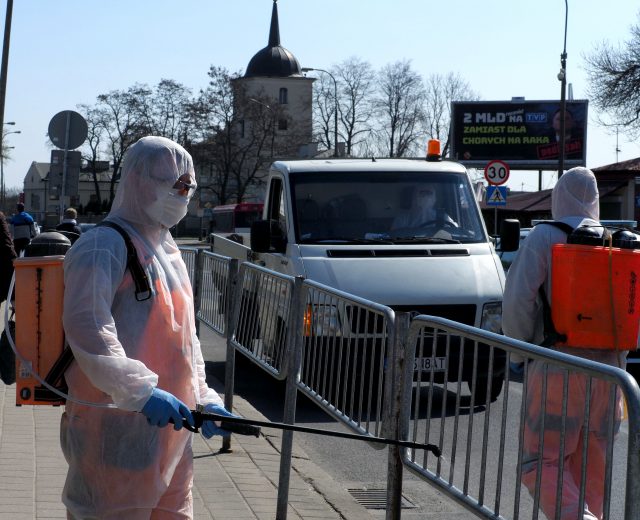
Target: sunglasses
184, 188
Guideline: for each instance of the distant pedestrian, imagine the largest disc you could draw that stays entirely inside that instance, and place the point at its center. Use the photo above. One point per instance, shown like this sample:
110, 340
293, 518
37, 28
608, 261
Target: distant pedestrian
7, 256
69, 225
23, 228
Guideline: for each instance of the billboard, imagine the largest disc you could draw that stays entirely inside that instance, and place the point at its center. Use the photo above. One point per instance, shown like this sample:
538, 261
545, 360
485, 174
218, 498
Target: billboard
524, 134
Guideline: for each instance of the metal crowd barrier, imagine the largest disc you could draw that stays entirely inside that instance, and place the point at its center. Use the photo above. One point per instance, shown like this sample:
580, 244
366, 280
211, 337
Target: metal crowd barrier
382, 374
216, 287
261, 317
474, 434
190, 257
345, 341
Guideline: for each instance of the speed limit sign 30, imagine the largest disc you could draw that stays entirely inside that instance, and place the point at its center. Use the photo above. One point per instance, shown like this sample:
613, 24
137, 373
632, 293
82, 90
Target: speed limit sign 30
496, 172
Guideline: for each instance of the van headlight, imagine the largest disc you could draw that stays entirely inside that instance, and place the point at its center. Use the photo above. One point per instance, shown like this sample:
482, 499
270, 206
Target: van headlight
492, 317
321, 320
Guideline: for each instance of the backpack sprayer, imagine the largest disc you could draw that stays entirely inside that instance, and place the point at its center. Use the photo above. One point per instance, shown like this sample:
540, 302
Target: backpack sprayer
595, 293
40, 346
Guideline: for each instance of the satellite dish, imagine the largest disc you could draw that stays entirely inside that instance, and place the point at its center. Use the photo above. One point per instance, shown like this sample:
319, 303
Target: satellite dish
68, 123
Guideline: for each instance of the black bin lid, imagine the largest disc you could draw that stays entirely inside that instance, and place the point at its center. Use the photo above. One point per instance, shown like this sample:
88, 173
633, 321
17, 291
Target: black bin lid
49, 243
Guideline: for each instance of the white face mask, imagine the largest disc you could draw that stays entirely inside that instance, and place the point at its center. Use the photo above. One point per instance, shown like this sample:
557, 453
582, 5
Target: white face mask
168, 209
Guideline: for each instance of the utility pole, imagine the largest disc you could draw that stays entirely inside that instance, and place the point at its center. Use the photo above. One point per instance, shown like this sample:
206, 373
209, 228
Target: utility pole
562, 76
5, 59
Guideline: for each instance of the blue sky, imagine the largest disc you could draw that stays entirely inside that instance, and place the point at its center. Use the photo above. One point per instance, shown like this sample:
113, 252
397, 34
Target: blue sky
67, 52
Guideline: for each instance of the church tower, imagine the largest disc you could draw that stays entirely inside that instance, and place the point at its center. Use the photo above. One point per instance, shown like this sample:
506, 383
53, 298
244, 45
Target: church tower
273, 81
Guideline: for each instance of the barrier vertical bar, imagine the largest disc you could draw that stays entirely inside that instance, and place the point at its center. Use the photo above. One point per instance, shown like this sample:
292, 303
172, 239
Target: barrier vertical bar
232, 308
197, 288
295, 340
397, 414
632, 494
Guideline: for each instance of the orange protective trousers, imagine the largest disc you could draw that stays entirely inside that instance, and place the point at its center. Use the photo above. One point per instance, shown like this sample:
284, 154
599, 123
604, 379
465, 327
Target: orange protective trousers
576, 423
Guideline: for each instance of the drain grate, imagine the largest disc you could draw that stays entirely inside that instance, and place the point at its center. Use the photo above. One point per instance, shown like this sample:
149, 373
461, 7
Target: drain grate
376, 498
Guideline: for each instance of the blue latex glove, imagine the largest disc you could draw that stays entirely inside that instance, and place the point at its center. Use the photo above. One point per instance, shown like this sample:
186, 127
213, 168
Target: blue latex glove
209, 428
163, 406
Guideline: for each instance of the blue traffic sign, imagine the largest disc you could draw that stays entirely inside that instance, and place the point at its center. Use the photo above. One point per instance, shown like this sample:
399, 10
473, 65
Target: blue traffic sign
496, 195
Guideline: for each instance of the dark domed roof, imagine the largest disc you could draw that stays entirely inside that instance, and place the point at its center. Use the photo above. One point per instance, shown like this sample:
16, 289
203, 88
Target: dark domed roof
274, 59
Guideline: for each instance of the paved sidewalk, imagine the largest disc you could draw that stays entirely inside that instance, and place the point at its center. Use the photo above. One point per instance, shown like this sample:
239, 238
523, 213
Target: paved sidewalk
238, 485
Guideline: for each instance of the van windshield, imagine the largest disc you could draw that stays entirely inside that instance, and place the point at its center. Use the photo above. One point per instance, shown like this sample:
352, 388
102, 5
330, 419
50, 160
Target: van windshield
387, 207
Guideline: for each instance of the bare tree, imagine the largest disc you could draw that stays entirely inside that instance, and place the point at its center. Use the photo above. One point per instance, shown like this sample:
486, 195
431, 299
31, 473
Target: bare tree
237, 136
169, 112
441, 90
614, 81
400, 103
356, 88
121, 111
324, 110
92, 149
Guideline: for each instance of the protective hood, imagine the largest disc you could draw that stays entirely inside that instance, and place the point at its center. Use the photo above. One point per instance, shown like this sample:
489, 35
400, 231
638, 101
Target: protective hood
149, 170
576, 195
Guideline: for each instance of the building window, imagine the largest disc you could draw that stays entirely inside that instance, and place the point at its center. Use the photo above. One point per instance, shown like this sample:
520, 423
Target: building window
284, 96
241, 128
282, 124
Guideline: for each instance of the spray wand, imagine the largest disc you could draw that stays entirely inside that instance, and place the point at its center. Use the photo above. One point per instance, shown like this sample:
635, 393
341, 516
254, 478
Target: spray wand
245, 426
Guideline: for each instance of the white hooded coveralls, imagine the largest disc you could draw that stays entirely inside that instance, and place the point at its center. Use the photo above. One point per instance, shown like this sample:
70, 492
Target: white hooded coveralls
574, 202
119, 465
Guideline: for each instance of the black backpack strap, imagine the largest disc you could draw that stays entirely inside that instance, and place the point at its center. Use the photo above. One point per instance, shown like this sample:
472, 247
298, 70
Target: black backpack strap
139, 275
560, 225
55, 377
551, 335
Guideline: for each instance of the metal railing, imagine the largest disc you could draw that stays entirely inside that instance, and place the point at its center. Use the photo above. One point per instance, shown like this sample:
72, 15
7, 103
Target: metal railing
261, 317
475, 434
383, 374
344, 344
215, 296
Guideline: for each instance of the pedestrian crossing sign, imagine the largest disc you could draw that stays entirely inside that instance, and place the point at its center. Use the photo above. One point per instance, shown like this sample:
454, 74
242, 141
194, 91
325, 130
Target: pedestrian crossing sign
496, 195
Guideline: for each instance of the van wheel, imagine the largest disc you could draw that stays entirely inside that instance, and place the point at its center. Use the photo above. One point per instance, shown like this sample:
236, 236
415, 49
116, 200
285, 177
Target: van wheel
481, 387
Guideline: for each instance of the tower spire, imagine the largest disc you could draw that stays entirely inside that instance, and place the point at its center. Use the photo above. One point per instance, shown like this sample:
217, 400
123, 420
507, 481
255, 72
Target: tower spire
274, 32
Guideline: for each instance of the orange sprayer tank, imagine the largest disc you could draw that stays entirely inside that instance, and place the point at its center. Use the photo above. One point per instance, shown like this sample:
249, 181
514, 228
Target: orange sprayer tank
595, 296
38, 305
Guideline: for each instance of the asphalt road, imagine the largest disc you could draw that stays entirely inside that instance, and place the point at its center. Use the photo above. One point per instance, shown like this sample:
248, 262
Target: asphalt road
358, 465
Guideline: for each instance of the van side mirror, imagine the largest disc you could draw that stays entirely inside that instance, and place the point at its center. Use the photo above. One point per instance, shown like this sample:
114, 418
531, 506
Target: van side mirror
267, 236
509, 235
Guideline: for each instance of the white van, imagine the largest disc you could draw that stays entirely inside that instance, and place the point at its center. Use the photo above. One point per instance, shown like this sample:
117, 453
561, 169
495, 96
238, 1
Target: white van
349, 224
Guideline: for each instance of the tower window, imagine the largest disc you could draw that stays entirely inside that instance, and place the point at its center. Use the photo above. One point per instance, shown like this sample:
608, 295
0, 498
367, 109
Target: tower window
284, 96
241, 122
282, 124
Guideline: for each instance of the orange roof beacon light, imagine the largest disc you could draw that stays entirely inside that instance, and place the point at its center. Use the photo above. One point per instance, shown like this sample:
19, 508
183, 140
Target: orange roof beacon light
433, 150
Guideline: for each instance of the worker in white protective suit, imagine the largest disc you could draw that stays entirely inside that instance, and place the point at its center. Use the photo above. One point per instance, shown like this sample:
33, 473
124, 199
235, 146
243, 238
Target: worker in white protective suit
574, 202
142, 356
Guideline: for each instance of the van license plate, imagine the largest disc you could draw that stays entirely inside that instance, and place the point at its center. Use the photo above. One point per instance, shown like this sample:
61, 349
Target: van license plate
427, 364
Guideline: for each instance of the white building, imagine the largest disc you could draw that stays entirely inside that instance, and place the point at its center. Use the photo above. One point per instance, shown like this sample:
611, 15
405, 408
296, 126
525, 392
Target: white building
44, 203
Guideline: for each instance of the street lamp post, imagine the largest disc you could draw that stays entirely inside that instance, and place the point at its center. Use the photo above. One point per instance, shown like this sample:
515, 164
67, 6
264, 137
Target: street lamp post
335, 108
